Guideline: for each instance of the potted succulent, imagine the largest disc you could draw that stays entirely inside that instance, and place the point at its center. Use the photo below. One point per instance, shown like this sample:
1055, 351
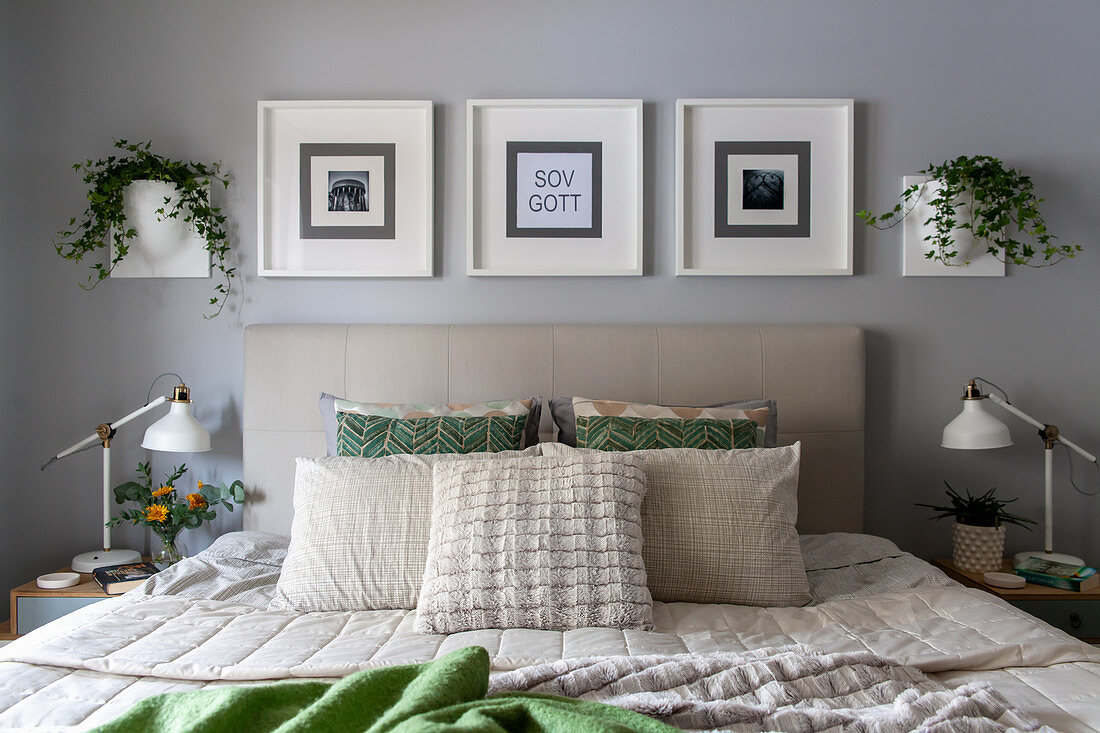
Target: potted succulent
994, 203
978, 537
103, 225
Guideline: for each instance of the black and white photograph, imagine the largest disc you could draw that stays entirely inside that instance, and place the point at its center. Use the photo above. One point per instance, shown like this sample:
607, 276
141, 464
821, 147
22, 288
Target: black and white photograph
349, 190
761, 189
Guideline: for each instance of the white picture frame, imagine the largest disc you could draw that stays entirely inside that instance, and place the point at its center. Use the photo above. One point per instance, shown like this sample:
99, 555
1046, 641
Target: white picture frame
589, 152
915, 263
764, 186
345, 188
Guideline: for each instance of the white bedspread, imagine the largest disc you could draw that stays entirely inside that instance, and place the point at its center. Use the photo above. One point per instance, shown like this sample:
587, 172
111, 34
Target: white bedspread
88, 667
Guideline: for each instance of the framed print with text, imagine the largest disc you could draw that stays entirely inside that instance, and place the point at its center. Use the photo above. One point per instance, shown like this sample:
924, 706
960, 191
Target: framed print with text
345, 188
764, 186
554, 187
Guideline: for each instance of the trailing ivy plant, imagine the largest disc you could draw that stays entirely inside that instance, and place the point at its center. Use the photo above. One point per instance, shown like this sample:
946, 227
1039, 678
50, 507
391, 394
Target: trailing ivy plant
995, 203
103, 223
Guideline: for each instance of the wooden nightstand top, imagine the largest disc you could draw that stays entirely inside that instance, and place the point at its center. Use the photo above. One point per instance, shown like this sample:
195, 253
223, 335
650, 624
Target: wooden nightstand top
86, 588
1029, 592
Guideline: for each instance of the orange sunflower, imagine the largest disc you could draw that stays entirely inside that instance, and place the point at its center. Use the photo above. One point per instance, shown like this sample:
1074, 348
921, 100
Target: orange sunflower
162, 491
156, 513
196, 501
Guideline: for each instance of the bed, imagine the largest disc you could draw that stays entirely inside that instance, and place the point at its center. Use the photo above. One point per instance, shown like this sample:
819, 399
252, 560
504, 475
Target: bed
209, 620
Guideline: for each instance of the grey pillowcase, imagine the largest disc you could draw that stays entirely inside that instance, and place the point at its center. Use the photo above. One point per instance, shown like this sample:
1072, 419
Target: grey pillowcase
561, 409
327, 404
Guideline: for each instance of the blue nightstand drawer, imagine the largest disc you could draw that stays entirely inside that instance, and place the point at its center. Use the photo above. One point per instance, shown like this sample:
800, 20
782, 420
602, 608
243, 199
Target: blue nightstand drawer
32, 612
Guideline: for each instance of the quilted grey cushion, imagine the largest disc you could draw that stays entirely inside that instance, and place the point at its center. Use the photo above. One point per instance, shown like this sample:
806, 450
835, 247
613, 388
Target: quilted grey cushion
719, 525
537, 543
360, 533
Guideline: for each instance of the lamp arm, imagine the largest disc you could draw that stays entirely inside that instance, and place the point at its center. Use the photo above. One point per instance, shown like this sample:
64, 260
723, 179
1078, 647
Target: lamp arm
1040, 426
95, 437
139, 412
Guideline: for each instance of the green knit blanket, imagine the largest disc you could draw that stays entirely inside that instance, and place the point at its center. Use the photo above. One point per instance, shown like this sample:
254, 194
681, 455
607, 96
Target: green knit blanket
447, 694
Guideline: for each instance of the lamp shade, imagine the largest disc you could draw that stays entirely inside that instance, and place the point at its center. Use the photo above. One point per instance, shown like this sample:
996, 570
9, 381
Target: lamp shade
177, 432
975, 429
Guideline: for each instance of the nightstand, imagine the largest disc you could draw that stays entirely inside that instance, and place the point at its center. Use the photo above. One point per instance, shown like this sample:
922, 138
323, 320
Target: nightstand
32, 606
1074, 612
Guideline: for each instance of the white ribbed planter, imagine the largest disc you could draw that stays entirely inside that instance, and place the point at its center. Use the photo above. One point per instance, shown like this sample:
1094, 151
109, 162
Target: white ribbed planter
977, 549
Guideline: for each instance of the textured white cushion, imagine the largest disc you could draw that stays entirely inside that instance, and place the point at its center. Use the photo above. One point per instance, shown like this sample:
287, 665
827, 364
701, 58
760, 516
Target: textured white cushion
719, 526
360, 533
538, 543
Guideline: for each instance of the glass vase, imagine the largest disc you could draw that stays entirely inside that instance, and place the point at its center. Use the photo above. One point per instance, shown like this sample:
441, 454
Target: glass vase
170, 553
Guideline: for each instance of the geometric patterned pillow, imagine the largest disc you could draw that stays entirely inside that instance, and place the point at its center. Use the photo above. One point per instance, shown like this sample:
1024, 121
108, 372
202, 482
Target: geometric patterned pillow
331, 406
372, 436
566, 411
638, 433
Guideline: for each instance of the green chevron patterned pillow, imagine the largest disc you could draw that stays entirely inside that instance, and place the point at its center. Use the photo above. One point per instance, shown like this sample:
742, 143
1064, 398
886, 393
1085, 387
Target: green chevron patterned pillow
371, 436
605, 432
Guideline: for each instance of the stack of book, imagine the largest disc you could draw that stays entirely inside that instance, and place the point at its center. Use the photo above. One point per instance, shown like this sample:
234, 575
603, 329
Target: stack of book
1058, 575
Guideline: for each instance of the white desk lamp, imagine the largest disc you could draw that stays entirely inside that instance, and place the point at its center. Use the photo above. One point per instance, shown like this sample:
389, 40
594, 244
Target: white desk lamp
176, 432
976, 429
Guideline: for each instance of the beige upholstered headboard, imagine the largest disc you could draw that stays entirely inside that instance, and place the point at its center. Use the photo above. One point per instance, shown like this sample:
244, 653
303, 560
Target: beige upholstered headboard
816, 374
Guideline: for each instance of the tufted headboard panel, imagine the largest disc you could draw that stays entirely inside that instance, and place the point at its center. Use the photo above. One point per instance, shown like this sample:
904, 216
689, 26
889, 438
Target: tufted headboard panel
816, 374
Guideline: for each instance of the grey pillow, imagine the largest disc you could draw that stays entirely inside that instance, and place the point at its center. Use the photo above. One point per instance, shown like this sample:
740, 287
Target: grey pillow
327, 404
561, 409
536, 543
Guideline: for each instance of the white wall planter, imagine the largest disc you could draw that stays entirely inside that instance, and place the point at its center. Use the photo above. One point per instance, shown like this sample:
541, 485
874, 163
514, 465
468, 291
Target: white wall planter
168, 248
977, 549
914, 231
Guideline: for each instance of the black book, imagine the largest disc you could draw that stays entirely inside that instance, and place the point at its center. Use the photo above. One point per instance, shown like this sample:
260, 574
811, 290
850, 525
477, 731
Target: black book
116, 579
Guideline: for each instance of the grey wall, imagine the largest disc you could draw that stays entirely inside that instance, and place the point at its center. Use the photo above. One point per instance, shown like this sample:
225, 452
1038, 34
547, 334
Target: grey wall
931, 80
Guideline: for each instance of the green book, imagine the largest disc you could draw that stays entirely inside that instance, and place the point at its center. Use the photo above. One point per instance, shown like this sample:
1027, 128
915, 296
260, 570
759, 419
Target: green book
1058, 575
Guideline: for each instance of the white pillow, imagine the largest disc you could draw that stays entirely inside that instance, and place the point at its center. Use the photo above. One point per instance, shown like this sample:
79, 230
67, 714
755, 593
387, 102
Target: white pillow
359, 538
719, 525
536, 543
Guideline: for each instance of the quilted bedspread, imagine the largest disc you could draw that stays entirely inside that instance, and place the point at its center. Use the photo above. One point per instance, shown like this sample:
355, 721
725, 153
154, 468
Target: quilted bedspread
92, 664
170, 634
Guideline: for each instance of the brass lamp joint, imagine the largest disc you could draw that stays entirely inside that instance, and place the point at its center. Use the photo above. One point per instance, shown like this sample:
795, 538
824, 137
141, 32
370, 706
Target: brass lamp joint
1049, 434
105, 432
